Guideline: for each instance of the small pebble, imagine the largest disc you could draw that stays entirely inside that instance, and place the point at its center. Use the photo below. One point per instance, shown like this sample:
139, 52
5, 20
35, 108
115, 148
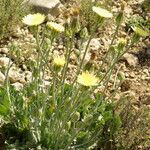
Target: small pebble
146, 72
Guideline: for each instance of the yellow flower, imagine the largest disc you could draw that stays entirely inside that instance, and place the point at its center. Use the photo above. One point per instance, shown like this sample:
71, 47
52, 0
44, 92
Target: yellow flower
33, 19
59, 61
123, 41
55, 26
87, 79
140, 31
102, 12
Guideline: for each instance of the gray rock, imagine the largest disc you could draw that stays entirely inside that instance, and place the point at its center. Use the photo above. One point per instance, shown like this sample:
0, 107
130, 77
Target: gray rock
4, 61
131, 59
28, 76
18, 86
94, 44
146, 71
44, 6
87, 57
15, 76
4, 50
132, 74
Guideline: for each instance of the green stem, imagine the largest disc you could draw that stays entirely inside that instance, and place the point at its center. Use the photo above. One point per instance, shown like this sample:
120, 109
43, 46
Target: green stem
54, 88
112, 42
64, 72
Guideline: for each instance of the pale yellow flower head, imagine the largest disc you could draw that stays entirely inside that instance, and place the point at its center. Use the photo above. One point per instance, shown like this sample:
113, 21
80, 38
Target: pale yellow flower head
87, 79
33, 19
55, 26
59, 61
123, 41
102, 12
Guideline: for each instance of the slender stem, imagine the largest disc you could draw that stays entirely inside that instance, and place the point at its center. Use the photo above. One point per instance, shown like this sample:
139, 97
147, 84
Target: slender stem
116, 77
64, 72
112, 42
85, 52
69, 114
54, 88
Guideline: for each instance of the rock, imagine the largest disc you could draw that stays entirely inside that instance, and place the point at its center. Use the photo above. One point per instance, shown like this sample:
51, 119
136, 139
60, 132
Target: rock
147, 79
93, 47
4, 50
46, 84
45, 6
60, 47
86, 59
4, 61
94, 44
18, 33
126, 75
28, 76
15, 76
132, 74
131, 59
105, 42
18, 86
145, 71
2, 78
143, 77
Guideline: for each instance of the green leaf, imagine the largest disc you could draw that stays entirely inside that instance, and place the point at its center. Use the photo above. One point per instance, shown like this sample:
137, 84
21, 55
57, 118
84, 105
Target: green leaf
4, 103
107, 116
117, 122
121, 76
3, 110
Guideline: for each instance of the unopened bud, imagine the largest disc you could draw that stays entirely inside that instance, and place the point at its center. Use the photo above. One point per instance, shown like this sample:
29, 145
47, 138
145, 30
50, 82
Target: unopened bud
123, 5
84, 33
119, 18
75, 117
121, 45
123, 41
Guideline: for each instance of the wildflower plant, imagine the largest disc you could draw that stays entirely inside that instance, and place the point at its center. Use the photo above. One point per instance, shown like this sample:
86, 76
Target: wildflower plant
65, 114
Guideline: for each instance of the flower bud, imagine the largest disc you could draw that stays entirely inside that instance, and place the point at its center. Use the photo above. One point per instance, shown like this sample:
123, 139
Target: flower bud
59, 62
68, 125
88, 118
75, 117
123, 5
119, 18
122, 44
84, 33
